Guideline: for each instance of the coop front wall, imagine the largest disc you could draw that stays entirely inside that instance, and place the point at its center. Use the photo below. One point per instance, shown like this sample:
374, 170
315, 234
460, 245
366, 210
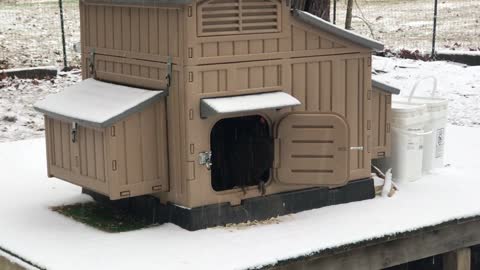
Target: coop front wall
381, 118
337, 84
287, 38
82, 163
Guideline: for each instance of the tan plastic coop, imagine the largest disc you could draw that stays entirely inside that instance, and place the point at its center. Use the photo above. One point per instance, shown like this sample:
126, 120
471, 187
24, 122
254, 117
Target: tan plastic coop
259, 99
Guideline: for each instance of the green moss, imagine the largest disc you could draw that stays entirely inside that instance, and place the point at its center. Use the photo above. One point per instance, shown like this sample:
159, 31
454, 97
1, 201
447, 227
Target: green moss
103, 217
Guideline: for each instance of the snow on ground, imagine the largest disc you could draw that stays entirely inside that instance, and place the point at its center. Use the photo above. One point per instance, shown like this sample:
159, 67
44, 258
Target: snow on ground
458, 83
29, 229
18, 119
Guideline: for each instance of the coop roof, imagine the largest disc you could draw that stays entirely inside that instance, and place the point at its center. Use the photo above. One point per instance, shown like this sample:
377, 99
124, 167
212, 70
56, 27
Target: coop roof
95, 103
385, 87
140, 2
246, 103
335, 30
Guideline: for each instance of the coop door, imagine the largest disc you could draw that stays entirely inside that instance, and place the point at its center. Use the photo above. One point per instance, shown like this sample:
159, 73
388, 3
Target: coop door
312, 149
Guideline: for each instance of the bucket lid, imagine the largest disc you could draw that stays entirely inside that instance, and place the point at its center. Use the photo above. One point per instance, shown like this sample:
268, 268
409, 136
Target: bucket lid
401, 107
404, 114
432, 103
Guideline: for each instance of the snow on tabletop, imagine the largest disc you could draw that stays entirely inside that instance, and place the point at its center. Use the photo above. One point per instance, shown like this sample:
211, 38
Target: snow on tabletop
16, 261
251, 102
94, 101
29, 229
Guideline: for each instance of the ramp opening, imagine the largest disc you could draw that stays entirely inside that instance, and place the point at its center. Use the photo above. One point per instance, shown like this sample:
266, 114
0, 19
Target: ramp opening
242, 153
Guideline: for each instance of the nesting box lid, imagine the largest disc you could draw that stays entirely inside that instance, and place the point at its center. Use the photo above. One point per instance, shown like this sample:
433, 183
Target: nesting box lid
96, 104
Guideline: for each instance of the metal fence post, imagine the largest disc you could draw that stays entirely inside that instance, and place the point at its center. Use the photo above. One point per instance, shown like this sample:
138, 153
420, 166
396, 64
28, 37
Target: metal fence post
434, 28
60, 4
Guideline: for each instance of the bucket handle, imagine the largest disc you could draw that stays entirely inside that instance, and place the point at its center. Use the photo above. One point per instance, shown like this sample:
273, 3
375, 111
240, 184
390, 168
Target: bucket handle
421, 80
412, 132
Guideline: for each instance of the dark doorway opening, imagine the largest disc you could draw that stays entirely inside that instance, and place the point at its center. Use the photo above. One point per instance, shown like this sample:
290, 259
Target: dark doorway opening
242, 152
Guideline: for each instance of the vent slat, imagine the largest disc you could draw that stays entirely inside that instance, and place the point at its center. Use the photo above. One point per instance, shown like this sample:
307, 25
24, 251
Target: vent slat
232, 25
225, 13
220, 6
260, 24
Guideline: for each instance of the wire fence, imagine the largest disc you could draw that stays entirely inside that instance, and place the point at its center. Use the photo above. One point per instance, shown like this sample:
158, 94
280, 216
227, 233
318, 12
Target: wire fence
30, 30
408, 24
30, 33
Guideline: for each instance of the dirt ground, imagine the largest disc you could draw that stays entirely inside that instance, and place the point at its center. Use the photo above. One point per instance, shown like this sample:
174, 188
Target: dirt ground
18, 119
30, 33
409, 23
30, 29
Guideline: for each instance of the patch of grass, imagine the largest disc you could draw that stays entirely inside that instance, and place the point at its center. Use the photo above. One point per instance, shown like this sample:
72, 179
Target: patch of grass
103, 217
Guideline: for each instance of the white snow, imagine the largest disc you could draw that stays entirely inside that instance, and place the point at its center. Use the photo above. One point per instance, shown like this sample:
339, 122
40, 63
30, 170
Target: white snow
460, 52
458, 83
17, 261
94, 102
29, 229
273, 100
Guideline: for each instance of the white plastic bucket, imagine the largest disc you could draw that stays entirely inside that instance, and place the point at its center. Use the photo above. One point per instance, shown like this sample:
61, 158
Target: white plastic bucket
408, 131
437, 108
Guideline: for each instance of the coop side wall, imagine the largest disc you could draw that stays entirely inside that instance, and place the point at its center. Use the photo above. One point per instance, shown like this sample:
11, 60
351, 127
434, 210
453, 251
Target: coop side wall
132, 45
129, 158
138, 155
325, 73
381, 118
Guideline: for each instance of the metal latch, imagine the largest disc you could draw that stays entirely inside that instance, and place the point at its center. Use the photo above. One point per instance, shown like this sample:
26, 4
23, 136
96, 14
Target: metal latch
205, 158
74, 132
168, 78
91, 63
356, 148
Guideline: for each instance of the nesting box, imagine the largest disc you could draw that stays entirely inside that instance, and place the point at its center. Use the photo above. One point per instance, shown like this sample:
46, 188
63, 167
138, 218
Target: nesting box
204, 102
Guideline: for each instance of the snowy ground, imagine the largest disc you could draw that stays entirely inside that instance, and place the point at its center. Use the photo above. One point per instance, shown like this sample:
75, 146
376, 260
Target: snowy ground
458, 83
29, 229
18, 119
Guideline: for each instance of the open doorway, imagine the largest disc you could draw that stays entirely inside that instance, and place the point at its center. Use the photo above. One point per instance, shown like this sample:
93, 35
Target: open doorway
242, 152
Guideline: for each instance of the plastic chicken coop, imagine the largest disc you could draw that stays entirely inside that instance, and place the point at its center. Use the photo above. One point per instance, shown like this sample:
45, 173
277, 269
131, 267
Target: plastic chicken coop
218, 102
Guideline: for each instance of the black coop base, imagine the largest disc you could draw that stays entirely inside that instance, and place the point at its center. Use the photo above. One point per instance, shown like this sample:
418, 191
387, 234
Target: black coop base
259, 208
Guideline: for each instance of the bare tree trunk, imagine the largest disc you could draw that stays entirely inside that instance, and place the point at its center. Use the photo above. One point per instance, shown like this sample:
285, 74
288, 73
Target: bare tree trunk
348, 19
320, 8
299, 4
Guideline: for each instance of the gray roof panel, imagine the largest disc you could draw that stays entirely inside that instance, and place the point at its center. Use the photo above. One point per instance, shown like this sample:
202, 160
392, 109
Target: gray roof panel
140, 2
385, 87
97, 104
335, 30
